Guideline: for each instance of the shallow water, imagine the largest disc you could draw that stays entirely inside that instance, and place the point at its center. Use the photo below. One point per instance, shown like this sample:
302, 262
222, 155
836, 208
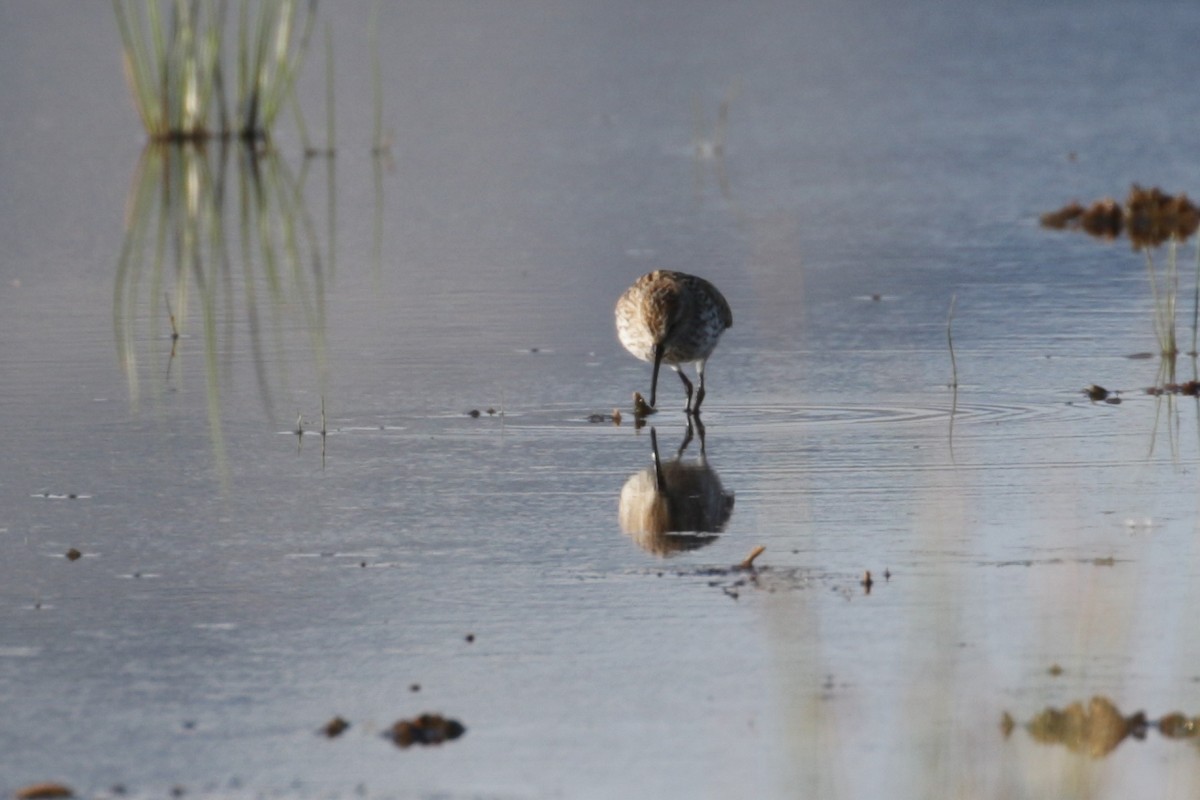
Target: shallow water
240, 585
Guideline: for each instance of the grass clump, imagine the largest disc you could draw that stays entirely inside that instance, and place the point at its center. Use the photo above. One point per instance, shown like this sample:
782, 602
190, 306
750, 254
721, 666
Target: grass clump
174, 54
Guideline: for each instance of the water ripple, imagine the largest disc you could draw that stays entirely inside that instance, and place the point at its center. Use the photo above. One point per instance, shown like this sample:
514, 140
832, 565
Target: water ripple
760, 415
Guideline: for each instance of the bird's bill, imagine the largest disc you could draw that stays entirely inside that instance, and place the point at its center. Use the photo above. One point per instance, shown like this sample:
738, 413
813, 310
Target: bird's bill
658, 356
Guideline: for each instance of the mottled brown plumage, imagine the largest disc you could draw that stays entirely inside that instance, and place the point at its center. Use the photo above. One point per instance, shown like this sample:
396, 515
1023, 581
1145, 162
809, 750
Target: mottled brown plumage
673, 318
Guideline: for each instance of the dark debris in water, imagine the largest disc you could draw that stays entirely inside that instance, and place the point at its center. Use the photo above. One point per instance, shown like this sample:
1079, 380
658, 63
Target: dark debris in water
427, 729
1098, 394
614, 417
1149, 217
733, 580
640, 407
73, 555
1186, 389
44, 791
335, 727
1103, 218
1100, 561
745, 576
1152, 217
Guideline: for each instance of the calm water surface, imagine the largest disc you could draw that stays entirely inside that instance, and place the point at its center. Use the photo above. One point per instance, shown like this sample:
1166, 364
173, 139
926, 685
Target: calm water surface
240, 585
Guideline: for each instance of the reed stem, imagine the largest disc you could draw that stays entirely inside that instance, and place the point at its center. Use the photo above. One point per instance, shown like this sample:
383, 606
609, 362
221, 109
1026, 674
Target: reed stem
950, 342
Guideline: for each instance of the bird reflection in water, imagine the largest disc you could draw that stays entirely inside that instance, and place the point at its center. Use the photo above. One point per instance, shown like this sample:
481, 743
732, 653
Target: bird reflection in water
678, 505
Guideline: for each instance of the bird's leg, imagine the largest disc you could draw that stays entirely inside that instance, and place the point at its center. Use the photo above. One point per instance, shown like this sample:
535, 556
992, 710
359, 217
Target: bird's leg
687, 385
700, 391
700, 432
658, 356
694, 426
687, 439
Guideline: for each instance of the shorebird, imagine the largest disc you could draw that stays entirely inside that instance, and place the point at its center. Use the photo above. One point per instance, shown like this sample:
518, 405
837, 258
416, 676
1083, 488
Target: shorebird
673, 318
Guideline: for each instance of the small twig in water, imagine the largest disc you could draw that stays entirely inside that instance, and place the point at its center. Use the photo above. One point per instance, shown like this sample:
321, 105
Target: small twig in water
171, 317
748, 561
174, 334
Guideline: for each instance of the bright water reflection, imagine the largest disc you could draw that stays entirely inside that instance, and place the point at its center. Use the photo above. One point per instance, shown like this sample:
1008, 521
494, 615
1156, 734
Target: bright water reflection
675, 506
234, 242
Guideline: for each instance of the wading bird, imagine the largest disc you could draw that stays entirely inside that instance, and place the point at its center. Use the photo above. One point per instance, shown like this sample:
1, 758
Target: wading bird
673, 318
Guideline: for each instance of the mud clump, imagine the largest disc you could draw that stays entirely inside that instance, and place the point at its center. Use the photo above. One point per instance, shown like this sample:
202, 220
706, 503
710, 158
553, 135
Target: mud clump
1149, 217
1104, 219
1065, 217
1095, 730
335, 727
640, 407
427, 729
1179, 726
1186, 389
43, 791
1153, 217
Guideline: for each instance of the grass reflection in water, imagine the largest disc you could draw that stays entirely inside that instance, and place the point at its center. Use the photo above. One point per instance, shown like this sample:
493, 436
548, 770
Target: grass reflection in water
194, 243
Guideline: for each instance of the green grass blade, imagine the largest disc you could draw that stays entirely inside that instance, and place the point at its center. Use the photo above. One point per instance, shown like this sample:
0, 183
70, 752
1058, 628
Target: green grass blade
143, 70
286, 58
174, 59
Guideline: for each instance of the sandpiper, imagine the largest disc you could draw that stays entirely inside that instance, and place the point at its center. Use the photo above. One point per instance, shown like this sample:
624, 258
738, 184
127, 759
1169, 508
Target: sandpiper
675, 318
